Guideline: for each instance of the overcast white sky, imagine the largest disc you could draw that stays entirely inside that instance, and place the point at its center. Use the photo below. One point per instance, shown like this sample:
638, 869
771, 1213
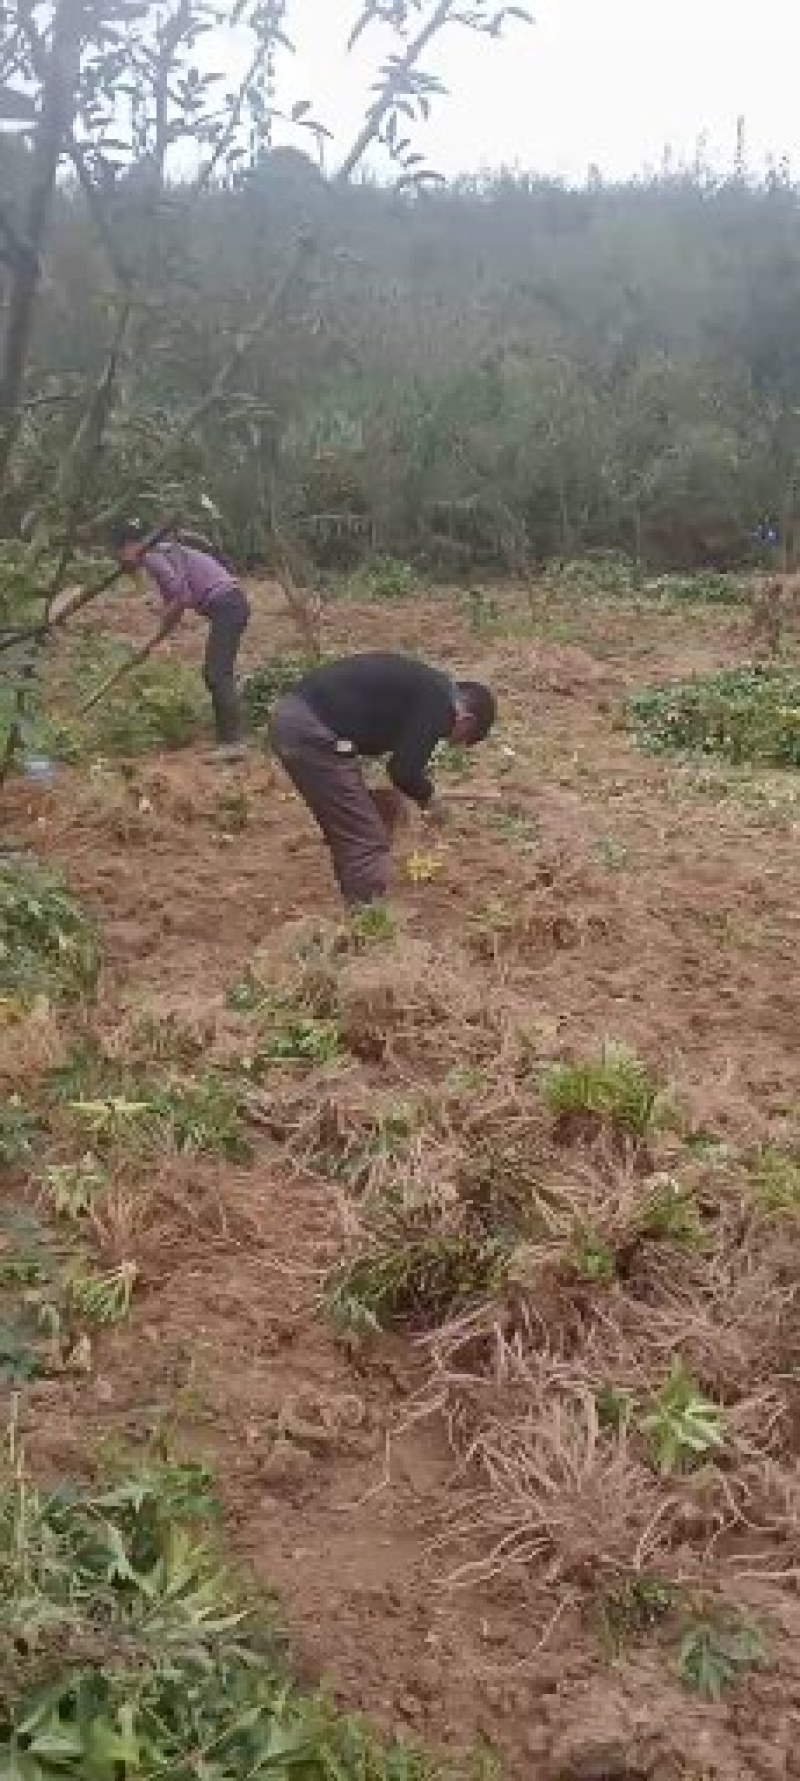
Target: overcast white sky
604, 81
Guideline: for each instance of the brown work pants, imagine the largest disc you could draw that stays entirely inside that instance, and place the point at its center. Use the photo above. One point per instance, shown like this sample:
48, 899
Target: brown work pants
330, 781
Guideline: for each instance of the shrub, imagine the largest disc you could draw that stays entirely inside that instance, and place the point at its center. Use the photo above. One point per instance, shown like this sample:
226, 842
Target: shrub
605, 572
384, 578
160, 705
743, 714
265, 685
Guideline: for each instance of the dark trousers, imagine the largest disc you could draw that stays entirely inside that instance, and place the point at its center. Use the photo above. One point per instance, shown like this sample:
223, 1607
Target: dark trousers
228, 616
333, 787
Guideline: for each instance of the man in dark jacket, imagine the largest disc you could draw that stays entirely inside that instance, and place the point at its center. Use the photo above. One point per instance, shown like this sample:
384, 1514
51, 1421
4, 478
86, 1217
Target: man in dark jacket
371, 705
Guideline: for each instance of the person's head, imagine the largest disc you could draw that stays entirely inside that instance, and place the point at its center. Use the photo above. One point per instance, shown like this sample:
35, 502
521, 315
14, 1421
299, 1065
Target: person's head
126, 542
476, 710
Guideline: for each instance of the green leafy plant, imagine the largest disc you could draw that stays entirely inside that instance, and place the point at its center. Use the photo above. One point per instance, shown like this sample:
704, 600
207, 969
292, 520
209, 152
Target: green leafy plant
604, 572
104, 1298
265, 685
683, 1426
232, 812
48, 945
113, 1122
616, 1089
672, 1212
714, 1653
300, 1039
384, 578
73, 1188
122, 1110
743, 714
705, 587
133, 1651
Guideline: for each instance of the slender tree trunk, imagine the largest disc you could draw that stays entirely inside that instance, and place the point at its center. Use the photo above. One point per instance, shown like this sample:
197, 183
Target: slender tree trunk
55, 122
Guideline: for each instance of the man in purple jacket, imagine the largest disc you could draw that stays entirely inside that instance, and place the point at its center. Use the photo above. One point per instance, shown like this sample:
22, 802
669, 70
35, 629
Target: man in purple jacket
191, 580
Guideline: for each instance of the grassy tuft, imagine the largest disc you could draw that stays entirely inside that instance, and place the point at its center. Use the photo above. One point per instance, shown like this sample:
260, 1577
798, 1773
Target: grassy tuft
617, 1089
419, 1282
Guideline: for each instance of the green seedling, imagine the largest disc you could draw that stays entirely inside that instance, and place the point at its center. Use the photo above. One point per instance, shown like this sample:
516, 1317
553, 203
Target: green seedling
73, 1188
104, 1298
684, 1427
715, 1653
672, 1213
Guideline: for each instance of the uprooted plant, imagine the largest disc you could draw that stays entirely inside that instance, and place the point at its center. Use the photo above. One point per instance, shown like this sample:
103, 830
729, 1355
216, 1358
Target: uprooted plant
130, 1648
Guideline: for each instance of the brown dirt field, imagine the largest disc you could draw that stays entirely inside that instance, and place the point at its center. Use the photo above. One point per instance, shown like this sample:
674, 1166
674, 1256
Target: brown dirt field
598, 892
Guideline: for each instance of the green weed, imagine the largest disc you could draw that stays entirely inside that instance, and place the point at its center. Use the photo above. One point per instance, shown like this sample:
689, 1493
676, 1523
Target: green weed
419, 1281
300, 1039
265, 685
246, 995
160, 704
714, 1653
633, 1608
232, 812
48, 945
104, 1298
672, 1213
372, 923
614, 1408
73, 1188
683, 1426
384, 578
515, 827
616, 1089
776, 1180
591, 1258
705, 587
203, 1118
121, 1106
19, 1129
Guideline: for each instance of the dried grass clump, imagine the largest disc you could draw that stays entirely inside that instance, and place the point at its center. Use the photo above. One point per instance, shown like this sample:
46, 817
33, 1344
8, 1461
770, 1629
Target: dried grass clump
555, 1494
412, 1004
31, 1043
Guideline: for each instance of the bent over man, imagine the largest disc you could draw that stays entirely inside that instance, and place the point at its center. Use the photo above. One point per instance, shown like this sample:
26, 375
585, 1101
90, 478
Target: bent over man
370, 705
